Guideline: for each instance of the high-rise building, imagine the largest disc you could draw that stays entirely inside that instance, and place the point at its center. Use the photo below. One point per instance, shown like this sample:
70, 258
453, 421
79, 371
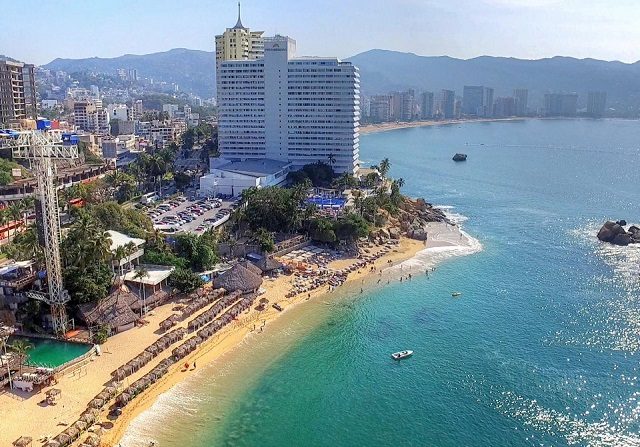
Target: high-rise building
504, 107
521, 96
380, 108
17, 91
596, 104
239, 43
477, 101
426, 105
560, 104
447, 104
136, 110
91, 117
402, 105
284, 108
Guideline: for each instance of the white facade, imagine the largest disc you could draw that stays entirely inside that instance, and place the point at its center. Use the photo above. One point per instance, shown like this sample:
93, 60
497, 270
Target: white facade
300, 110
171, 109
231, 178
119, 112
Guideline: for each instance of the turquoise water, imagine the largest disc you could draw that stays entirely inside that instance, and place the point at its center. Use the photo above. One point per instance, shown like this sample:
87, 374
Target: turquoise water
51, 353
541, 349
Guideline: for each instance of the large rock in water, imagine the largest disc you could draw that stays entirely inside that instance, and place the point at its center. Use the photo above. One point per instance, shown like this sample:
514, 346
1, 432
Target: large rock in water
615, 233
609, 231
621, 239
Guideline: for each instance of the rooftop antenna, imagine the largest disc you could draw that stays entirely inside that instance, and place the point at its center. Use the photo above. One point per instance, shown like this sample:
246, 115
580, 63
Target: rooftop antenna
239, 22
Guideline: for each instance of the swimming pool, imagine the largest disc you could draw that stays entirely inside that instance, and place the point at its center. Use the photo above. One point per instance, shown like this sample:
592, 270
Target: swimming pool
51, 353
327, 202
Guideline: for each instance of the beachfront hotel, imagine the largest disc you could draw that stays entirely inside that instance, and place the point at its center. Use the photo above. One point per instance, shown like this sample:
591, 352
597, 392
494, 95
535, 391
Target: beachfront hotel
278, 107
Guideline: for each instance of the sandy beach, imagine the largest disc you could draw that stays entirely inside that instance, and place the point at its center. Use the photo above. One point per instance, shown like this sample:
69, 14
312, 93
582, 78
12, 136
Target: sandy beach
25, 414
383, 127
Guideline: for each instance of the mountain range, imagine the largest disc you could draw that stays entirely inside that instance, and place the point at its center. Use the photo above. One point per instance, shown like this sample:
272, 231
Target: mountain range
193, 70
382, 71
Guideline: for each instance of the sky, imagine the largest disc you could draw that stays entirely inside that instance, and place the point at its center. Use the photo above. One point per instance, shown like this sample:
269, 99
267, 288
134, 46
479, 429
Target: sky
38, 31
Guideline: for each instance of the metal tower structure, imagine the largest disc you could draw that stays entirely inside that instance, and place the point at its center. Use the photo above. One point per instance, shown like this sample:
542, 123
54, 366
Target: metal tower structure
41, 148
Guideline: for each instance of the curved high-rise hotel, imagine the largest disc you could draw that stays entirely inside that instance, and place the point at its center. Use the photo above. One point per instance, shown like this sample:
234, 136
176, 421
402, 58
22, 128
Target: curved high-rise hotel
275, 106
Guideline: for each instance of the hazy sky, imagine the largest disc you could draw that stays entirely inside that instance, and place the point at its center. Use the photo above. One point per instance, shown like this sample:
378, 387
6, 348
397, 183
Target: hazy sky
38, 31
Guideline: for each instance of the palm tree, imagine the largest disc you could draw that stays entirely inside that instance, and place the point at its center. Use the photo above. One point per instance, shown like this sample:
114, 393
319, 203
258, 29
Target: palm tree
15, 213
142, 273
27, 205
101, 243
4, 219
358, 200
21, 347
332, 159
384, 167
118, 255
400, 182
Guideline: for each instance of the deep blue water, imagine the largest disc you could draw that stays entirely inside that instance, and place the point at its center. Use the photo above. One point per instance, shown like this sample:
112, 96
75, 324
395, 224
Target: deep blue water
542, 347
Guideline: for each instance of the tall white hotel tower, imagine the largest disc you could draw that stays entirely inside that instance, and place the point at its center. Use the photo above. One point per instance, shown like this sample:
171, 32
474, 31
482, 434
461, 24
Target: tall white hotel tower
277, 107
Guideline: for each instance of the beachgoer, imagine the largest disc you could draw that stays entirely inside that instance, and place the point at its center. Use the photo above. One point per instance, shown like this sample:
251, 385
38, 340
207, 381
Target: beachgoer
194, 365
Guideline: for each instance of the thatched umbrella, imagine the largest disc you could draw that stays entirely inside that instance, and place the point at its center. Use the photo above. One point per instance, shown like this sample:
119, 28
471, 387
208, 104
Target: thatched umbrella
96, 403
238, 278
72, 432
124, 398
251, 267
89, 416
63, 439
23, 441
92, 440
52, 443
267, 264
80, 425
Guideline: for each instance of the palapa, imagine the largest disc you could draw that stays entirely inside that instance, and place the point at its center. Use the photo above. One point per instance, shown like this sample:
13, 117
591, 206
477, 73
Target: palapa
23, 441
113, 311
239, 278
92, 440
268, 264
251, 267
96, 403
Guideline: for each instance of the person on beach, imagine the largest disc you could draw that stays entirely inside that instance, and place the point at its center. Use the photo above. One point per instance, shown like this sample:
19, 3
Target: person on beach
194, 365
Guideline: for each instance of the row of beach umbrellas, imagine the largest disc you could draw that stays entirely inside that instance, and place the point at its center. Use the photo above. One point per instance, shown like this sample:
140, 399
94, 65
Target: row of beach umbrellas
209, 315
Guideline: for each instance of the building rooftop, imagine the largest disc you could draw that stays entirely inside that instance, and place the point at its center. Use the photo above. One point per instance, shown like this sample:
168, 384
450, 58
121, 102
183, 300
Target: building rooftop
254, 168
155, 274
120, 240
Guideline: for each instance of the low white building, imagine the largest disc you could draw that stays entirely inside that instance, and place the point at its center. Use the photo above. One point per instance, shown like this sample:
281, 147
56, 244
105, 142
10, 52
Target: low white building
133, 250
233, 177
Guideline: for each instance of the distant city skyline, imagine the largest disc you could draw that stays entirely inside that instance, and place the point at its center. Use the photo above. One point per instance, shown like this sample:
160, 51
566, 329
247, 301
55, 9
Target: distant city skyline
466, 29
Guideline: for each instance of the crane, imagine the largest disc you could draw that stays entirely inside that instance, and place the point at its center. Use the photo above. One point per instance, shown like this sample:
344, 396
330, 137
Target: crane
41, 148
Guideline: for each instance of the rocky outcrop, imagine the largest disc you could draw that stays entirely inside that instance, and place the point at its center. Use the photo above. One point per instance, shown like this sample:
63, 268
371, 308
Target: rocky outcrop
614, 233
413, 217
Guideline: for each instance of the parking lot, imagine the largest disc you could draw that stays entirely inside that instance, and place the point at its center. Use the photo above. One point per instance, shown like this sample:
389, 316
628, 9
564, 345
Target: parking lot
180, 214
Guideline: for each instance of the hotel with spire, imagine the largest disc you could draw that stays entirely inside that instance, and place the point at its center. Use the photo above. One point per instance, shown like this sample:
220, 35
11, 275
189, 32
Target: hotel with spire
239, 43
277, 109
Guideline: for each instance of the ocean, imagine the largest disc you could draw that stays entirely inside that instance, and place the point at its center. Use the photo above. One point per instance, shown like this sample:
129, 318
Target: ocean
541, 348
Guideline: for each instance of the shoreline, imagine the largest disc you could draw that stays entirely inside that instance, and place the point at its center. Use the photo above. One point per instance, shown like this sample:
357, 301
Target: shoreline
26, 414
385, 127
450, 240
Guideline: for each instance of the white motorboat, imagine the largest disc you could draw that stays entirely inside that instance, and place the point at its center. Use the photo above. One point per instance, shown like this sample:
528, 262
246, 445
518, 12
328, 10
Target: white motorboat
401, 355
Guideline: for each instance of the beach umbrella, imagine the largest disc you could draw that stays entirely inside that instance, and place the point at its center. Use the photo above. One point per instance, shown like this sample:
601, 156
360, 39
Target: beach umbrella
23, 441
